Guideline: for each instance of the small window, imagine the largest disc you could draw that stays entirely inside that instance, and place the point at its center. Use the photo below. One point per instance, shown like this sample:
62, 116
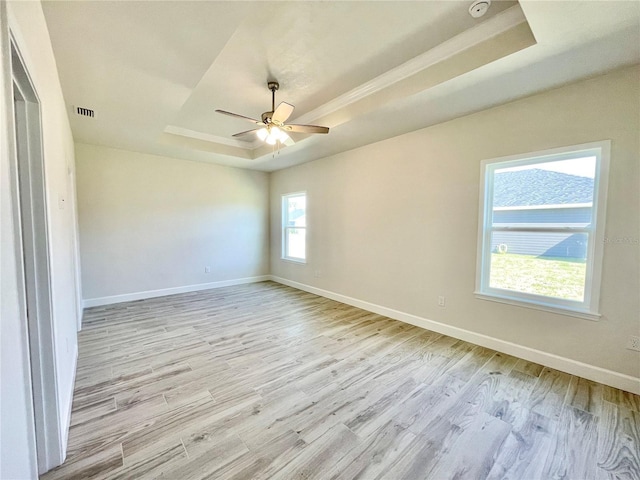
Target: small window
541, 229
294, 227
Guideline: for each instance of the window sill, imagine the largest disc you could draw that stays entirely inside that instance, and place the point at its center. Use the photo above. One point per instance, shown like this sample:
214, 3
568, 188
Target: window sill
537, 306
297, 261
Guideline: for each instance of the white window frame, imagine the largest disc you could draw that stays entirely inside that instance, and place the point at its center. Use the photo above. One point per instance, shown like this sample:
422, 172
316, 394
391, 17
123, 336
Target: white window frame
286, 227
589, 307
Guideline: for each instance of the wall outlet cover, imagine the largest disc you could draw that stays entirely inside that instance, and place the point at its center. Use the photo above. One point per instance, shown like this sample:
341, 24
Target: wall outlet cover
633, 343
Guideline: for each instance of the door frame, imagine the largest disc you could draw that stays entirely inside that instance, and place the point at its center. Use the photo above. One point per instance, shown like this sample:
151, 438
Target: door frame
34, 272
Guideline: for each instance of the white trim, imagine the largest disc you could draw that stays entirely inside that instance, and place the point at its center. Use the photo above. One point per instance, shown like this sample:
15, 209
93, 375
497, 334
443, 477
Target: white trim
492, 27
594, 258
573, 367
23, 457
568, 152
207, 137
128, 297
34, 246
517, 302
285, 219
297, 261
594, 276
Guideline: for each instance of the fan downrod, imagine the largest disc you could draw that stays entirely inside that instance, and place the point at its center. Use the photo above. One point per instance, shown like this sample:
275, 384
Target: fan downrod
266, 116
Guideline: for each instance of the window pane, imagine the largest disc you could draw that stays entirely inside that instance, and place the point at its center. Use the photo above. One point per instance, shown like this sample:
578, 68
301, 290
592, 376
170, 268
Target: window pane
296, 242
546, 193
541, 263
296, 208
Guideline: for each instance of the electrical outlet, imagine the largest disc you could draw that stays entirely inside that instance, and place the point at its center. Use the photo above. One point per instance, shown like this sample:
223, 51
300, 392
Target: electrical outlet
317, 273
633, 343
207, 269
441, 301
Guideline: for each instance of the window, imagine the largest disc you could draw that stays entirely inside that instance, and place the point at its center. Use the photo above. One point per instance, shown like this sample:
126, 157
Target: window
294, 227
541, 229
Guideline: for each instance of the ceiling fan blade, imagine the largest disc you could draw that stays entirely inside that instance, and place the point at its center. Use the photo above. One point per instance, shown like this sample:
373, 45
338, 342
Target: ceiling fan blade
252, 120
282, 112
306, 129
246, 132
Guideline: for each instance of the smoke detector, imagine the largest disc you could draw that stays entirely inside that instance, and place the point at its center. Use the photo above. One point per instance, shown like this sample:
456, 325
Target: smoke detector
479, 8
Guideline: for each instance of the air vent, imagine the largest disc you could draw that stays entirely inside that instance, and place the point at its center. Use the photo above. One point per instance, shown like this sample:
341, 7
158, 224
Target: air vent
85, 112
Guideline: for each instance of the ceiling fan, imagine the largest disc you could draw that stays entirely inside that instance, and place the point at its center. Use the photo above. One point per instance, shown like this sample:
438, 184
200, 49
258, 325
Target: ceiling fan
272, 129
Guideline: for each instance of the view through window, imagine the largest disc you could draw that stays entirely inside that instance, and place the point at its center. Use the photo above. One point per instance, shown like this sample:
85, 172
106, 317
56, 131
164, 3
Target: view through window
539, 228
294, 219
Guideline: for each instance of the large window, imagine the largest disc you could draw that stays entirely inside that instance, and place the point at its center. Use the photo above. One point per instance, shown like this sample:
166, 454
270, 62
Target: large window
294, 227
541, 229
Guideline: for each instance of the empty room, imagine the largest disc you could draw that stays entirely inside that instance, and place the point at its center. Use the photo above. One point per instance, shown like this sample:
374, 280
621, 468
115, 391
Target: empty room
320, 240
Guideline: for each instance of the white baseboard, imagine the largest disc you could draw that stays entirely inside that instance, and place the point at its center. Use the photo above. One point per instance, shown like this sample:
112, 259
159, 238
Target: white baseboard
128, 297
573, 367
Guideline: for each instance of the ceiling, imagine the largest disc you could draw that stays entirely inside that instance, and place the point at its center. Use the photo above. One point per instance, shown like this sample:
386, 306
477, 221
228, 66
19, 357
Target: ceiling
154, 72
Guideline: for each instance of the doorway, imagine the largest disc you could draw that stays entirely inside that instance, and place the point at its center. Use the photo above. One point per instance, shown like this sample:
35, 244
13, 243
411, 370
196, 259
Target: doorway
33, 245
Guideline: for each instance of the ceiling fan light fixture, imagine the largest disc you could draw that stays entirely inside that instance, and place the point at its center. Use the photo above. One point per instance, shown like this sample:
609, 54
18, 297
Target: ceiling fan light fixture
262, 134
272, 134
272, 126
278, 134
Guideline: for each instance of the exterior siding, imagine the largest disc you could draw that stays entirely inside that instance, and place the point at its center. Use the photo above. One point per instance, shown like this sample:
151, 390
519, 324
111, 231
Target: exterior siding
581, 216
542, 244
560, 245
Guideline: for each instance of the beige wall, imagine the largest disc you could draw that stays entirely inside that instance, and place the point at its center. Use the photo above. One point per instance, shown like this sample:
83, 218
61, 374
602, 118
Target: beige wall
395, 223
152, 223
27, 24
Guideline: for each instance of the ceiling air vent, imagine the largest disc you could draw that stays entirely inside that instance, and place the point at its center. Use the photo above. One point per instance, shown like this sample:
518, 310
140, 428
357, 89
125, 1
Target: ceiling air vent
84, 112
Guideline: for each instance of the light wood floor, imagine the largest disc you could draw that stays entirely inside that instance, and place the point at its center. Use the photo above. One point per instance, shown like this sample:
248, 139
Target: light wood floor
264, 381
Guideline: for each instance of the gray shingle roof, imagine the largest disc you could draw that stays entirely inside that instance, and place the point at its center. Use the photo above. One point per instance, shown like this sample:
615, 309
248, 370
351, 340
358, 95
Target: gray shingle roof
540, 187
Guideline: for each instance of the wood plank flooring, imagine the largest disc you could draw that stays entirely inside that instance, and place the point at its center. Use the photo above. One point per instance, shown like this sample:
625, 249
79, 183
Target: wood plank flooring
263, 381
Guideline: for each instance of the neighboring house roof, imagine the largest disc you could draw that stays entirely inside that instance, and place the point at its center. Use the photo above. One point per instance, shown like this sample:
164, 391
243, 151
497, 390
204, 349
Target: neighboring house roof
540, 187
296, 214
297, 218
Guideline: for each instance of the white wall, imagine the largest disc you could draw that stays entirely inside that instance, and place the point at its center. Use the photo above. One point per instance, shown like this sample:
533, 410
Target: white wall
151, 224
27, 23
395, 223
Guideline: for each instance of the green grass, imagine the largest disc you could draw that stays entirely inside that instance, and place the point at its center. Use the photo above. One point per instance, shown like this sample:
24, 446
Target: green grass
551, 277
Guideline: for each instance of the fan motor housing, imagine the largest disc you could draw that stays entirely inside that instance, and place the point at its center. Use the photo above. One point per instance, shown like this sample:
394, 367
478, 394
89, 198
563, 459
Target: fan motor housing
266, 117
